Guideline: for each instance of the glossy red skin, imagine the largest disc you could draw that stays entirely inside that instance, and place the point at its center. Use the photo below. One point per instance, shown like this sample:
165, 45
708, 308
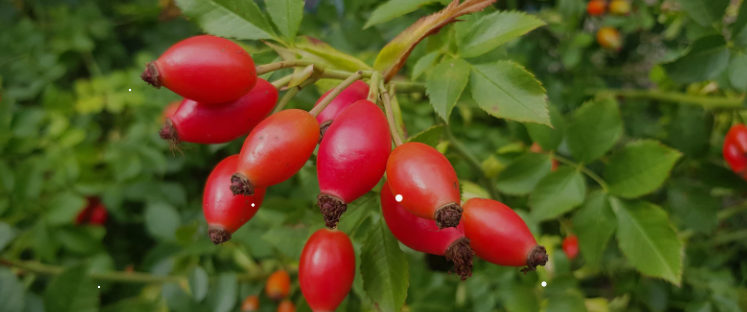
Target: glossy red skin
570, 246
98, 215
735, 148
596, 7
326, 269
220, 206
207, 69
278, 147
424, 177
415, 232
355, 92
170, 110
212, 124
353, 153
496, 233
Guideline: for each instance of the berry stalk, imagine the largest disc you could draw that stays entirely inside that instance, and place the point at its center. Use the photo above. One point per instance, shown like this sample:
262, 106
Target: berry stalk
263, 69
373, 90
282, 82
292, 92
335, 92
390, 116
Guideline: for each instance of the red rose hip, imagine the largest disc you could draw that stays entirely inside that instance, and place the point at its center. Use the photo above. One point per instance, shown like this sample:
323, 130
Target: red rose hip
423, 235
498, 235
224, 212
427, 183
98, 215
352, 158
326, 270
355, 92
570, 246
735, 149
275, 150
206, 69
211, 124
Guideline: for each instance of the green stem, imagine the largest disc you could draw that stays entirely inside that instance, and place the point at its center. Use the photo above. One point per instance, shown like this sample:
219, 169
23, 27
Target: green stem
263, 69
115, 276
282, 82
373, 87
583, 169
740, 235
704, 101
474, 163
728, 212
342, 75
292, 92
335, 92
390, 115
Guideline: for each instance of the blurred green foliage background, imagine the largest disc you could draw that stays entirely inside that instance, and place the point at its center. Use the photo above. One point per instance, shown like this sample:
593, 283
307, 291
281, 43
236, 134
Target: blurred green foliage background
77, 121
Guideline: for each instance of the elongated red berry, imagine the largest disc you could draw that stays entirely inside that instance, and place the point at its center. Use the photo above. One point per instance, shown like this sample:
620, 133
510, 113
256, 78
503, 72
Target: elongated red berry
352, 158
327, 269
84, 215
423, 235
354, 93
224, 212
275, 150
570, 246
207, 69
735, 149
210, 124
98, 215
427, 183
498, 235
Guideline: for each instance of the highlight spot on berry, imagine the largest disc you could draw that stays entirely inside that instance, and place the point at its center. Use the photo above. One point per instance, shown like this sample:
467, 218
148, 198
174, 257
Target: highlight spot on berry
544, 284
398, 198
252, 204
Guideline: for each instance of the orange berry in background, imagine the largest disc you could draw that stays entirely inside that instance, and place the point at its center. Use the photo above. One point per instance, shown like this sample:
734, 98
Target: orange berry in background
286, 306
620, 7
169, 110
609, 38
250, 304
278, 285
596, 7
535, 148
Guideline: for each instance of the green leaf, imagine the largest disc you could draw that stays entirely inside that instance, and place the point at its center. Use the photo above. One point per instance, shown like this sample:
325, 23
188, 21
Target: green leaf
287, 16
424, 63
162, 221
594, 224
224, 294
6, 235
385, 270
690, 130
523, 174
557, 193
395, 8
72, 291
706, 59
640, 168
446, 84
494, 30
131, 305
705, 12
198, 283
11, 292
593, 130
63, 208
693, 207
738, 35
506, 90
648, 240
520, 298
228, 18
394, 55
430, 136
547, 137
738, 71
566, 303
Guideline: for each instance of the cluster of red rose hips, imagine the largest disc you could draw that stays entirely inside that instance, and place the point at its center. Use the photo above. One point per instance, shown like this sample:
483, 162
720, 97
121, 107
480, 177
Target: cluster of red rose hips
94, 213
420, 200
277, 288
735, 149
608, 37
